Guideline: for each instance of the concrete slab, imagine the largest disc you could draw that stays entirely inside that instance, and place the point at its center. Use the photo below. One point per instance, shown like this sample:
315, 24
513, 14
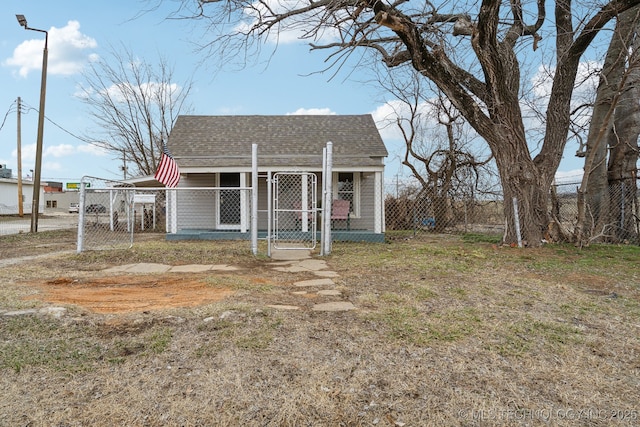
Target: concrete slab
291, 269
148, 268
313, 264
119, 268
290, 254
334, 306
224, 267
314, 282
190, 268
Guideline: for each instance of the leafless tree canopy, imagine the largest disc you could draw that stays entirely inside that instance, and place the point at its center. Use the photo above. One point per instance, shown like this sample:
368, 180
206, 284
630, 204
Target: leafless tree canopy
472, 51
134, 105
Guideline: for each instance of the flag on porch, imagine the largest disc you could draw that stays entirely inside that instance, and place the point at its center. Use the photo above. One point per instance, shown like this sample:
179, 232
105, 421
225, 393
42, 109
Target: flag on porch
167, 172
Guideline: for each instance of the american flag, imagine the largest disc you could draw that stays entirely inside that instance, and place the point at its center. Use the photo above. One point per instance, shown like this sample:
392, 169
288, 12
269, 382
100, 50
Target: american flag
167, 172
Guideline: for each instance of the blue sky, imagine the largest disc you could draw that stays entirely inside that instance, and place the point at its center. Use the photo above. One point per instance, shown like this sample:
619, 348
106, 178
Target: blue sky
79, 33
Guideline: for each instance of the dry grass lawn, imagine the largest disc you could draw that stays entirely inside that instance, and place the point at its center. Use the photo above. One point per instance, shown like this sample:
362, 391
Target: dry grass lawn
448, 331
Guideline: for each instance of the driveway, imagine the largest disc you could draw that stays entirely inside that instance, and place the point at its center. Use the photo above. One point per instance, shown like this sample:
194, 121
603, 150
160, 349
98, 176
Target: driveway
47, 221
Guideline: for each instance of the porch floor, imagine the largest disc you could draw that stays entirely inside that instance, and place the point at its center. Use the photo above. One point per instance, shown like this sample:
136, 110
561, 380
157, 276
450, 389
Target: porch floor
337, 235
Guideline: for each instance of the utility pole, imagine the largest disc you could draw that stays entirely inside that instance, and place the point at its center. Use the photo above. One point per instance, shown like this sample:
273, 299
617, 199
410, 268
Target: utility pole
19, 150
124, 165
35, 206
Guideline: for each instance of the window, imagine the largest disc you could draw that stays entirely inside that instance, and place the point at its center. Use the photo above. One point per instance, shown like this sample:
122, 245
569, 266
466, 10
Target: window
52, 204
347, 187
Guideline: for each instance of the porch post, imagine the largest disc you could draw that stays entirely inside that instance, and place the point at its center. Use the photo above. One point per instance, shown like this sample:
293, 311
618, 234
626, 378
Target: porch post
326, 203
378, 226
244, 212
254, 198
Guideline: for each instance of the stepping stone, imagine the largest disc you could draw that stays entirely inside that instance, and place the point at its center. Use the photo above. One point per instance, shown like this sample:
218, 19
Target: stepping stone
284, 307
313, 264
224, 267
20, 312
291, 269
326, 273
191, 268
56, 312
119, 268
334, 306
290, 254
314, 282
143, 267
329, 292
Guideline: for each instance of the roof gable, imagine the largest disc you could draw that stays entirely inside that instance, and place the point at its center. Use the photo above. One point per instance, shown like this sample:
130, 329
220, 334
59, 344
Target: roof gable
202, 141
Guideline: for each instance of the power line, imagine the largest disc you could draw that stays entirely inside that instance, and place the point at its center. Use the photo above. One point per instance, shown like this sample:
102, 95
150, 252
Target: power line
10, 110
65, 130
27, 107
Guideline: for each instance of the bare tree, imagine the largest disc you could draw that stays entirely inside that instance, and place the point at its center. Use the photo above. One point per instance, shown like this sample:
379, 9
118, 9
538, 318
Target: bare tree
608, 189
438, 151
469, 50
134, 106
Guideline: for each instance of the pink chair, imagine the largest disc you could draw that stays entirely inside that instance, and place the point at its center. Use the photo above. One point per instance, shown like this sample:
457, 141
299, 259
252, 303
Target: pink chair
340, 212
297, 206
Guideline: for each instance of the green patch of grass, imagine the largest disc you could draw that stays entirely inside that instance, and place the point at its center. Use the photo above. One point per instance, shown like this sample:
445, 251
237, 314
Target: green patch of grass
408, 324
530, 335
392, 298
258, 338
481, 238
402, 321
424, 293
34, 341
159, 340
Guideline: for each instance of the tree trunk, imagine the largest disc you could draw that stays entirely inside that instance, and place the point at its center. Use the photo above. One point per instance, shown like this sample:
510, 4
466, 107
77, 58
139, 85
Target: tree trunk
520, 180
596, 198
623, 143
594, 202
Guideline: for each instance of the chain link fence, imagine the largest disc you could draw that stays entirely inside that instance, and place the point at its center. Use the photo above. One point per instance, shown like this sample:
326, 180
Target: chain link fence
295, 214
113, 212
411, 210
614, 217
611, 215
106, 214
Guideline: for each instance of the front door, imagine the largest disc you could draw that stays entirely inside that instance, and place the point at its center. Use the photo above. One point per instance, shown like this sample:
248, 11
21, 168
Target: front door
229, 202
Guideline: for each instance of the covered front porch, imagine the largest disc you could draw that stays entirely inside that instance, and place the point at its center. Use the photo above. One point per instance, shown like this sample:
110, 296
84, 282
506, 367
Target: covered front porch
336, 235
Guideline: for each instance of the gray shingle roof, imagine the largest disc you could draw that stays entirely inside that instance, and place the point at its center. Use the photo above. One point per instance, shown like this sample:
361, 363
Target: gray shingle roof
294, 141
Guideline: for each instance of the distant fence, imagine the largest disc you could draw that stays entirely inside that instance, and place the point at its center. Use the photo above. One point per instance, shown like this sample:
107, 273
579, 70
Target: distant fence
410, 210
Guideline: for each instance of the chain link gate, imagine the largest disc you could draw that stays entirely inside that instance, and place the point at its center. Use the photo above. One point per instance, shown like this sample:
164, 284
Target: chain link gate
294, 210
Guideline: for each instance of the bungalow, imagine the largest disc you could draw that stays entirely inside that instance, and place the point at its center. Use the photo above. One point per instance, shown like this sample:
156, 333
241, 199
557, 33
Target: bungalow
216, 152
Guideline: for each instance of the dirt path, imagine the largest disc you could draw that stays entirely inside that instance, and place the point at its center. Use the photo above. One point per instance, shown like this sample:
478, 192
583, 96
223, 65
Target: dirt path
130, 293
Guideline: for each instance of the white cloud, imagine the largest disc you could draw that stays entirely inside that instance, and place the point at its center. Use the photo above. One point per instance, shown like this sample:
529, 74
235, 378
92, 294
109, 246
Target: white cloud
312, 112
28, 153
385, 117
52, 166
60, 150
92, 150
299, 28
67, 52
563, 177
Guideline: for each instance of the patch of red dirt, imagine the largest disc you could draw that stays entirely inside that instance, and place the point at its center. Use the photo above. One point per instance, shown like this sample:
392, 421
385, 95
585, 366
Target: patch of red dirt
124, 294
